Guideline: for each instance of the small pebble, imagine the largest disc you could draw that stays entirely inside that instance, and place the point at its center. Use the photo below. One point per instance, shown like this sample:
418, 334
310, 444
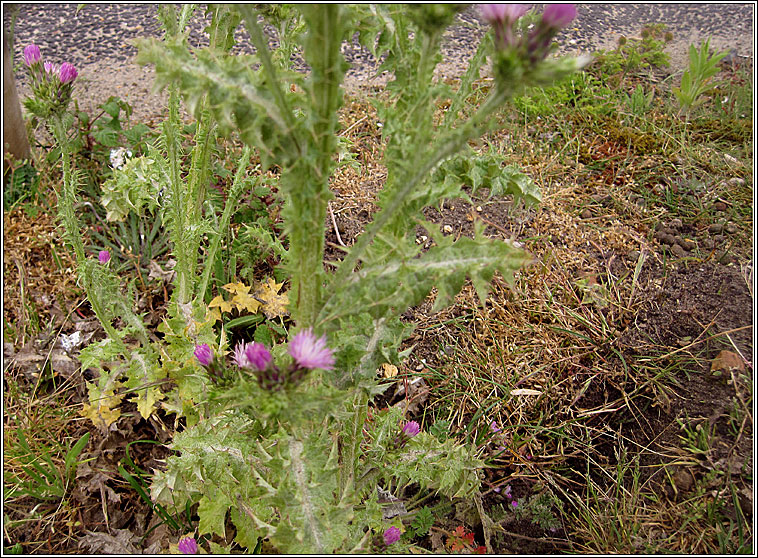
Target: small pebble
707, 244
731, 228
678, 251
676, 223
719, 206
715, 228
736, 181
478, 208
686, 243
586, 214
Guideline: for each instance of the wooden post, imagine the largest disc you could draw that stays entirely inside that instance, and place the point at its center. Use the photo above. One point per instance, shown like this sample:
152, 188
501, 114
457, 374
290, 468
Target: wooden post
15, 140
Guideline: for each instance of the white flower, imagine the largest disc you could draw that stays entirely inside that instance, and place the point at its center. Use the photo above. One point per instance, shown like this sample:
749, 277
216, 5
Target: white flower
119, 156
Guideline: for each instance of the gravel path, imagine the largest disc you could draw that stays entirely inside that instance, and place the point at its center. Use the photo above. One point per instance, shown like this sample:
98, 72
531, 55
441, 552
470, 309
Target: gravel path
97, 40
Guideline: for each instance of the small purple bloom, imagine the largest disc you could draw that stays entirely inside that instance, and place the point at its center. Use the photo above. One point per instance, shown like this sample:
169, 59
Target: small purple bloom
187, 545
104, 256
67, 72
257, 355
498, 13
497, 489
50, 68
391, 535
507, 491
411, 429
494, 427
310, 352
558, 16
32, 55
514, 503
204, 354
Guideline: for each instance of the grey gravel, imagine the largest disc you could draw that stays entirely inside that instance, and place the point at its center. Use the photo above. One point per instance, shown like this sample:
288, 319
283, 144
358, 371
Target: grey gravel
97, 39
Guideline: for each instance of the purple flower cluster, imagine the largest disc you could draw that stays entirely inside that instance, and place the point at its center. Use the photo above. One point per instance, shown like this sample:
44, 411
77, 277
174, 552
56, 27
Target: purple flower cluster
307, 351
32, 57
503, 18
52, 85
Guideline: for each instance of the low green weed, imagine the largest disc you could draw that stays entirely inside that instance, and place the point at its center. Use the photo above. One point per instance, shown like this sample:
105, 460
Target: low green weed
696, 79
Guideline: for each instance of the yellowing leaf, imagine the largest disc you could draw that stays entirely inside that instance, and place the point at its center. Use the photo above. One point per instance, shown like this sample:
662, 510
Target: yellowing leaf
213, 314
389, 370
101, 416
146, 400
237, 288
220, 303
244, 301
274, 304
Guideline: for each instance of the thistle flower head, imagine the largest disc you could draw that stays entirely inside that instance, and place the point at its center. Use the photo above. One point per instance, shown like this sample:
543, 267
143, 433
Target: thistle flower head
499, 13
104, 256
204, 354
32, 55
257, 355
558, 16
50, 68
310, 352
411, 428
67, 73
391, 535
239, 357
187, 545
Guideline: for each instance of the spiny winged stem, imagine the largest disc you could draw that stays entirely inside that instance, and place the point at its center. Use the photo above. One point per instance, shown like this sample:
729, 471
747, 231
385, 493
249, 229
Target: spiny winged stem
178, 227
72, 227
324, 55
305, 183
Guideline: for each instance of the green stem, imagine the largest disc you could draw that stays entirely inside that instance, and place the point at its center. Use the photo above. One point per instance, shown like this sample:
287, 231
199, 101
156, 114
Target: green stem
307, 240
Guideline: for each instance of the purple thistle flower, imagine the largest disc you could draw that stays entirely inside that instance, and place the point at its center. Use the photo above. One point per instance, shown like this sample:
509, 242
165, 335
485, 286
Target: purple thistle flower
204, 354
67, 73
499, 13
558, 16
104, 256
50, 68
494, 427
32, 55
258, 355
514, 503
310, 352
239, 357
187, 545
411, 429
391, 535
